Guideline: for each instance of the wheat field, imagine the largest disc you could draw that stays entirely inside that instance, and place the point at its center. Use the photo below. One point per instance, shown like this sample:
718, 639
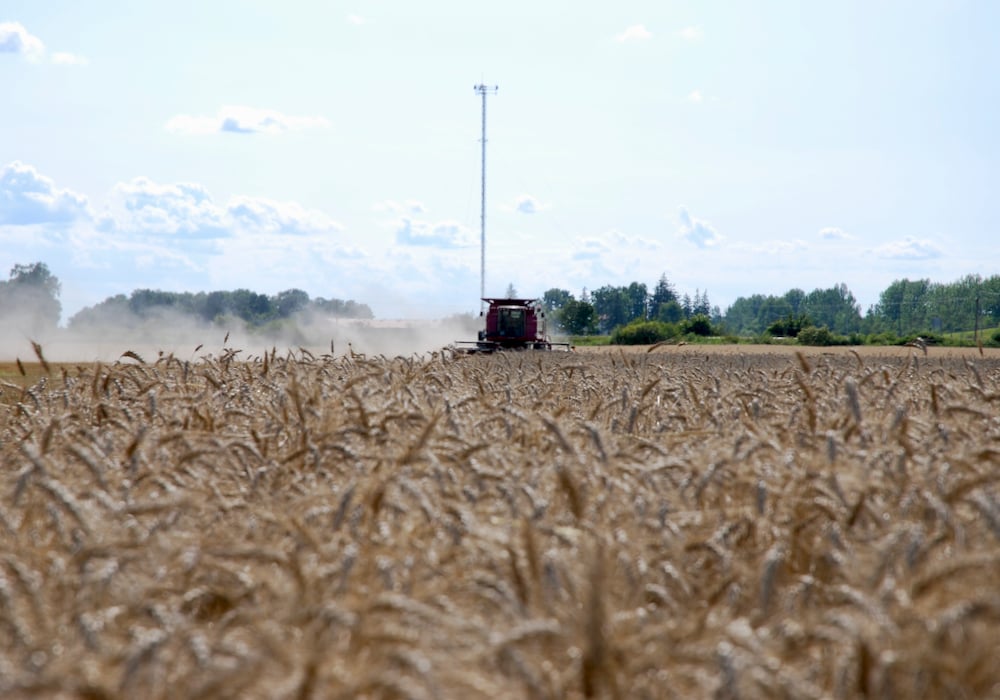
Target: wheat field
524, 525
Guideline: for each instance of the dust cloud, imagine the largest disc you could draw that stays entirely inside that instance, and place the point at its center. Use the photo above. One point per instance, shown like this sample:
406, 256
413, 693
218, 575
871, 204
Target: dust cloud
167, 333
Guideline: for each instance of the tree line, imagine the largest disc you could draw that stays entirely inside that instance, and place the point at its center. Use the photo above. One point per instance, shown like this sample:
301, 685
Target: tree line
906, 307
254, 309
607, 308
30, 300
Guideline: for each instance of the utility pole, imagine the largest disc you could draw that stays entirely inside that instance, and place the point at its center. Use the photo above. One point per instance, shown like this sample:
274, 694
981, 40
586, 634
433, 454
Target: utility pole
483, 91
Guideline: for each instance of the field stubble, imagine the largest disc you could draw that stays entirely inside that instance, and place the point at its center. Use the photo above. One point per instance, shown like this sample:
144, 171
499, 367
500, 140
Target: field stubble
676, 524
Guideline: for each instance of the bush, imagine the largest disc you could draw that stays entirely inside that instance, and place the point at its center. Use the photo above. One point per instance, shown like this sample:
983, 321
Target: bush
928, 337
643, 333
790, 326
699, 324
820, 337
884, 338
994, 340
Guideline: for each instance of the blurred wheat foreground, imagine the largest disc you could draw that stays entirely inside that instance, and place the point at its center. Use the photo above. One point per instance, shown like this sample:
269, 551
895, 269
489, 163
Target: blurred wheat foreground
549, 525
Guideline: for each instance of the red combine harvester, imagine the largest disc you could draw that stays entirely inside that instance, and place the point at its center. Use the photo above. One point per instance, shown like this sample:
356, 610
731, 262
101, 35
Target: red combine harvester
512, 324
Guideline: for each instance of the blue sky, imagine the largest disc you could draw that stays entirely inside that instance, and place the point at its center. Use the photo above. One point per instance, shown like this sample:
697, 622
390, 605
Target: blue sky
334, 146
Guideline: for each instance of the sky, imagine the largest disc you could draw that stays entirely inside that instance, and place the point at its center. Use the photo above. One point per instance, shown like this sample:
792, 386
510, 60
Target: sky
334, 147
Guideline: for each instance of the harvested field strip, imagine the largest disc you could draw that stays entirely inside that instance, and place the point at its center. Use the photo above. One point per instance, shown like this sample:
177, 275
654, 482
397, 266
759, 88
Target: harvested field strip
517, 525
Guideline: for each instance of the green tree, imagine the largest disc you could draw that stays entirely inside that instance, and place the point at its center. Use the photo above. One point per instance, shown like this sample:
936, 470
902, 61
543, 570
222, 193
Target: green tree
30, 298
796, 299
554, 299
771, 309
612, 307
577, 318
700, 306
289, 301
902, 307
836, 308
638, 302
699, 324
669, 312
663, 293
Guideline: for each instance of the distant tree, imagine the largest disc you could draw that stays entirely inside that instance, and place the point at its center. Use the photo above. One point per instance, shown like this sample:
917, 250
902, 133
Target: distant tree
835, 308
30, 298
795, 298
772, 309
112, 312
789, 326
669, 312
342, 309
700, 306
555, 299
687, 305
511, 293
638, 302
612, 307
663, 293
289, 301
215, 304
578, 318
250, 306
699, 324
643, 333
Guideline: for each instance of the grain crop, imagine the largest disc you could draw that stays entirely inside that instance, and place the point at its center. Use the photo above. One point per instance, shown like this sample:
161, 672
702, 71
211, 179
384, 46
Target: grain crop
673, 523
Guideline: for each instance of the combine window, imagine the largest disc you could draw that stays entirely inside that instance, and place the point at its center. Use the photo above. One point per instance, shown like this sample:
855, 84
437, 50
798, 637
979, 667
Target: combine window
511, 323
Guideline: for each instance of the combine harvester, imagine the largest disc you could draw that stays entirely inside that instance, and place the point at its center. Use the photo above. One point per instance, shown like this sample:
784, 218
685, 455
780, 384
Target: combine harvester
512, 324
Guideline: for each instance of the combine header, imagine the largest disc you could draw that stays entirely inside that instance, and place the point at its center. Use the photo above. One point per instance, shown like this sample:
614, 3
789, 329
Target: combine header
512, 324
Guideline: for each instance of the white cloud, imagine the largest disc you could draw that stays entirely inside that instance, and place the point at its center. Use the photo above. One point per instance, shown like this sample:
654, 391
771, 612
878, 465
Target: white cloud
237, 119
909, 249
178, 209
832, 233
356, 20
188, 210
267, 215
526, 204
410, 206
636, 32
63, 58
443, 234
776, 247
14, 38
695, 96
691, 34
27, 197
697, 231
591, 249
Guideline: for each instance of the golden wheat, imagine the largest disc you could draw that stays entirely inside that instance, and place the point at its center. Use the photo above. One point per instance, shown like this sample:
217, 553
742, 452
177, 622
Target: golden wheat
659, 524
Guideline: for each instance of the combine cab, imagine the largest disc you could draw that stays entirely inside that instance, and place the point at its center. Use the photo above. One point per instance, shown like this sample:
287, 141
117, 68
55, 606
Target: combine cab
512, 324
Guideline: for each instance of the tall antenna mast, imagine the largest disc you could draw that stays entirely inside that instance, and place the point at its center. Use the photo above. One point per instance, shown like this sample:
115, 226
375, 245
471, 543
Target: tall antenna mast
483, 91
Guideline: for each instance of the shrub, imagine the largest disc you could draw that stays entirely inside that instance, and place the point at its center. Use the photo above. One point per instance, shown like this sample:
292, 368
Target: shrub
790, 326
927, 337
643, 333
884, 338
820, 336
699, 324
